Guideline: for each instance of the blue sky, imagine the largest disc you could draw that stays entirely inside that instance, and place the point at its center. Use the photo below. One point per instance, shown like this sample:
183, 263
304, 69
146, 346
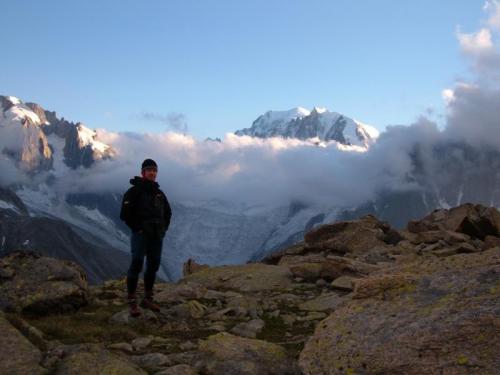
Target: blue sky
223, 63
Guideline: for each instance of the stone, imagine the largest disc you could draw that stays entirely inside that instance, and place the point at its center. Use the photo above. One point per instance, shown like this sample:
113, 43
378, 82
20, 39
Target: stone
343, 237
142, 343
477, 221
124, 317
94, 359
324, 302
312, 267
275, 257
175, 293
245, 305
313, 315
306, 271
191, 309
178, 370
188, 345
436, 236
229, 354
151, 361
122, 346
250, 277
190, 266
217, 326
18, 355
462, 248
42, 285
491, 241
345, 283
249, 329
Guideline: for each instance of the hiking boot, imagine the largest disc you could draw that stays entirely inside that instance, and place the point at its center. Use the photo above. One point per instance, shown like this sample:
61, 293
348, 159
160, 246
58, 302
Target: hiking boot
148, 303
133, 307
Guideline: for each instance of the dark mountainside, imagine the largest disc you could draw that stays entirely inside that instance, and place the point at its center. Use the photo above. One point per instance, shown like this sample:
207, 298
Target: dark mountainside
354, 297
56, 238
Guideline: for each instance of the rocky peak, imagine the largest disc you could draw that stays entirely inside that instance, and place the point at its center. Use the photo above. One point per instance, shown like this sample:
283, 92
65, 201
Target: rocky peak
319, 123
25, 128
22, 139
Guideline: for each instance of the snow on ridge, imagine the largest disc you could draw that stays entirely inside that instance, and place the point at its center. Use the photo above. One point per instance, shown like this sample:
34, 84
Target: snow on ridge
286, 115
320, 109
371, 130
20, 112
8, 206
13, 100
87, 137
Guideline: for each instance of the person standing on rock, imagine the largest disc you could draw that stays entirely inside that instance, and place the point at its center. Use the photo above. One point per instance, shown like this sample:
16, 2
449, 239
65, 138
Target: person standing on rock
146, 211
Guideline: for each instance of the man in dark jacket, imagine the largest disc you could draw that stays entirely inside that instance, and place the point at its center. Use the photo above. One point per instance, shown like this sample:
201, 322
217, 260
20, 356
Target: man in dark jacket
145, 209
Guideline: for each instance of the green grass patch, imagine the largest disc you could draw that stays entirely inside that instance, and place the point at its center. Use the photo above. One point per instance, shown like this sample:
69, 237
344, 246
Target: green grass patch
89, 325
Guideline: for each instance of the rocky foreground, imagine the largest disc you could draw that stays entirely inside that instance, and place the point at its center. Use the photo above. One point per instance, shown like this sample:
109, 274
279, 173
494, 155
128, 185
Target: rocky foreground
356, 297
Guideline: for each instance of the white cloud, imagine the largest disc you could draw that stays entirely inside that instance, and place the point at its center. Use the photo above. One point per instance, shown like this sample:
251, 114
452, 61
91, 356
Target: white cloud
475, 43
493, 8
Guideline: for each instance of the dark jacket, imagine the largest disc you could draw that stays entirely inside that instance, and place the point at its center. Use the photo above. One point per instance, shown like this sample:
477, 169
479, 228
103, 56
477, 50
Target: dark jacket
145, 208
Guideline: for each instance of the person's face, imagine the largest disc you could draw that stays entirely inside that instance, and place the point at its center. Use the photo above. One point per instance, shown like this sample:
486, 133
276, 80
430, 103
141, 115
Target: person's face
149, 173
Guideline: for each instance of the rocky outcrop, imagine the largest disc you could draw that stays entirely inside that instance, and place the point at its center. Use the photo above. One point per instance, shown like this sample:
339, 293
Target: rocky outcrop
432, 316
352, 237
477, 221
386, 302
32, 283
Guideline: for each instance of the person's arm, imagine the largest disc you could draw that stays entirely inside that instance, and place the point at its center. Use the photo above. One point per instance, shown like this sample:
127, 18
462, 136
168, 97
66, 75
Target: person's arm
167, 213
127, 213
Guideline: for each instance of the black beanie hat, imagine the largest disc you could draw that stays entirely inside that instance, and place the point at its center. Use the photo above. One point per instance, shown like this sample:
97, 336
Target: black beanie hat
149, 163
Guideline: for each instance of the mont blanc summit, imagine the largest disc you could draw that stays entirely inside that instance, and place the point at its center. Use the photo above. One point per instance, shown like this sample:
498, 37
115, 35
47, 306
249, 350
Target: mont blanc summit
318, 123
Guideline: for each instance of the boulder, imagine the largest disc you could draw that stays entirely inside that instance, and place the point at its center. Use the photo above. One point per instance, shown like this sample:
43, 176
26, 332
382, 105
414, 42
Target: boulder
249, 329
311, 267
152, 362
354, 237
174, 293
324, 302
476, 221
434, 315
345, 283
245, 278
95, 359
124, 317
190, 266
18, 355
190, 309
41, 285
228, 354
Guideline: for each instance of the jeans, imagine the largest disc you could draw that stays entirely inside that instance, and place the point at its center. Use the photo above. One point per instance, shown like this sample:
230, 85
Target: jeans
144, 246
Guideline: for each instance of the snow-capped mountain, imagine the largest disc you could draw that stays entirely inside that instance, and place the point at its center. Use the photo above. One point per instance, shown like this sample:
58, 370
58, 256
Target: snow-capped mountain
319, 123
33, 138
